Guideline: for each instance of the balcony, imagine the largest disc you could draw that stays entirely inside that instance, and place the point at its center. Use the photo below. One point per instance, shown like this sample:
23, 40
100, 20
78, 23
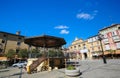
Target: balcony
116, 38
107, 47
105, 41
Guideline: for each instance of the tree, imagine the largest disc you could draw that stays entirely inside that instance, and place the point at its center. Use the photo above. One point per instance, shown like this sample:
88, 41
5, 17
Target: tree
36, 53
10, 54
60, 54
52, 53
23, 53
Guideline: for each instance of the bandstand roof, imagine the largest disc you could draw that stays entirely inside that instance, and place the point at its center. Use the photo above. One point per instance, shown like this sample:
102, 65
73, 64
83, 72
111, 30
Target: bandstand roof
45, 41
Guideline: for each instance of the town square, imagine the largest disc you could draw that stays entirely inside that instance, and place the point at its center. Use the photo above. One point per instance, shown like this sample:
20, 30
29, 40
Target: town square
59, 39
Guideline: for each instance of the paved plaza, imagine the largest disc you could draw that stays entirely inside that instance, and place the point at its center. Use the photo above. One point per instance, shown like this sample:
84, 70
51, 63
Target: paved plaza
88, 69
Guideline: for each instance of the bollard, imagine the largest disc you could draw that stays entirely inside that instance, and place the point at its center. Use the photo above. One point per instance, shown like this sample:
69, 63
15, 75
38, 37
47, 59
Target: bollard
49, 68
28, 70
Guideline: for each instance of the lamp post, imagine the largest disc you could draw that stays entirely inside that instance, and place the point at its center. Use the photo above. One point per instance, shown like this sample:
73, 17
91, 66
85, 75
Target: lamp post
65, 58
100, 37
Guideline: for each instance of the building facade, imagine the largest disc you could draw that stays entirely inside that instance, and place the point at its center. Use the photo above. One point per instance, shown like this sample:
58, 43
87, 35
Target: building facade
91, 48
94, 46
79, 48
87, 49
11, 41
111, 39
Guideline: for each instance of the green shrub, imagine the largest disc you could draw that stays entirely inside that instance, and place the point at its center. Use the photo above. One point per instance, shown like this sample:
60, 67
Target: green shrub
71, 67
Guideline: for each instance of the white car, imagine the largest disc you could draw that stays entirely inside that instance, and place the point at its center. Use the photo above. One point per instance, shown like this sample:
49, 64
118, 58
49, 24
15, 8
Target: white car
20, 64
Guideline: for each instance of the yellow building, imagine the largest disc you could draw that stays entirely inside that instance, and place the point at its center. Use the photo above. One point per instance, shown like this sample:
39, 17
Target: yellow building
94, 47
79, 49
86, 49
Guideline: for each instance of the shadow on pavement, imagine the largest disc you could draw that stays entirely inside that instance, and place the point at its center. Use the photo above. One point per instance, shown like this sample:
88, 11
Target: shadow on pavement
10, 76
4, 70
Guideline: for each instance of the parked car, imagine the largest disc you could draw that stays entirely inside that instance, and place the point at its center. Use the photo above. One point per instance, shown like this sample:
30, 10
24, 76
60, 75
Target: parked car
20, 64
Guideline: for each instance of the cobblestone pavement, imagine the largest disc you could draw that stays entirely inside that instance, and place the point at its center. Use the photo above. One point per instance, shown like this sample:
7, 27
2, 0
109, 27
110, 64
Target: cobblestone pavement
88, 68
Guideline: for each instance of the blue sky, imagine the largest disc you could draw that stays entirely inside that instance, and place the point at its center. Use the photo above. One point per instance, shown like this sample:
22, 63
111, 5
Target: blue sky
61, 18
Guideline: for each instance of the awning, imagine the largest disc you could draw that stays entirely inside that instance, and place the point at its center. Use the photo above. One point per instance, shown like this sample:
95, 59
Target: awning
3, 59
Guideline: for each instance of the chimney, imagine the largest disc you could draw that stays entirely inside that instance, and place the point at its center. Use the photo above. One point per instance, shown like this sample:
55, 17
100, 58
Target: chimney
18, 33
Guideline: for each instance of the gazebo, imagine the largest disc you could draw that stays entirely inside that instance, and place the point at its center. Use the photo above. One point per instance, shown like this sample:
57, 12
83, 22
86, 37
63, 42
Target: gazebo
45, 41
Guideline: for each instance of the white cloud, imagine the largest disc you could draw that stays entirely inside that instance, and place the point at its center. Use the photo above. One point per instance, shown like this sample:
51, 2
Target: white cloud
85, 16
64, 31
61, 27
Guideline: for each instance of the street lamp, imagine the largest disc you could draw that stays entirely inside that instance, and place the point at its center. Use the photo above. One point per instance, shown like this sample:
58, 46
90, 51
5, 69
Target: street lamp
100, 37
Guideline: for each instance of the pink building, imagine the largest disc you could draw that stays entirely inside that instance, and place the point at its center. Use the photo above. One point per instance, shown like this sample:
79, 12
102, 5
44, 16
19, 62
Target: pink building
111, 39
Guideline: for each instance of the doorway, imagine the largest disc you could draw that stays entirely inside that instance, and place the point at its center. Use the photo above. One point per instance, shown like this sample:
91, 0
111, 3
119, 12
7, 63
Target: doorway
85, 55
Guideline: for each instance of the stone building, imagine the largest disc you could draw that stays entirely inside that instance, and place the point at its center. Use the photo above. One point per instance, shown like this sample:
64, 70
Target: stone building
11, 41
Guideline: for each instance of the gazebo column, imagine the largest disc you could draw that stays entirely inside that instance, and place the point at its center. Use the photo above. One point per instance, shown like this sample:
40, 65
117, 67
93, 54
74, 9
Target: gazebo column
49, 68
37, 49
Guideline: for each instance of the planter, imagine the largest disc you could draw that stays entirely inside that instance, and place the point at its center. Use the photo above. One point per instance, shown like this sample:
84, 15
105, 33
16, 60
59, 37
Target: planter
74, 72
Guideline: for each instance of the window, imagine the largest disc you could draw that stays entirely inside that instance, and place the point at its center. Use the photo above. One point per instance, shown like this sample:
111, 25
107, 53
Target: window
92, 49
91, 44
1, 45
94, 39
1, 48
79, 46
116, 38
114, 33
98, 48
83, 44
118, 27
118, 45
74, 46
105, 35
98, 42
90, 40
107, 47
18, 43
84, 47
105, 41
3, 41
